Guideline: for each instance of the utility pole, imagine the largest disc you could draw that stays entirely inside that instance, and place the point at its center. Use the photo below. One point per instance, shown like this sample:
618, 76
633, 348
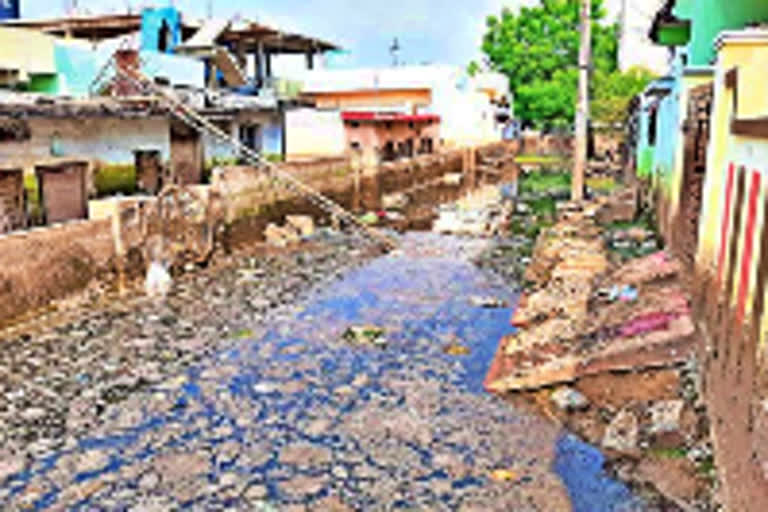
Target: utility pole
582, 108
394, 50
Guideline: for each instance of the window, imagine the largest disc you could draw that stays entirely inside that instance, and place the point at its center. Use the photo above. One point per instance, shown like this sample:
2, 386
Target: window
652, 126
356, 146
164, 38
354, 124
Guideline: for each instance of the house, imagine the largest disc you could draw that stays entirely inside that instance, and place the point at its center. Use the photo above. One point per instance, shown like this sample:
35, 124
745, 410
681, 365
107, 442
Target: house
471, 110
710, 180
222, 68
688, 30
384, 137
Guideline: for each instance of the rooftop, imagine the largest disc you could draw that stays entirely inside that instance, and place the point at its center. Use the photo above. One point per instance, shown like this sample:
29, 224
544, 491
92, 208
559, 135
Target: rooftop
247, 33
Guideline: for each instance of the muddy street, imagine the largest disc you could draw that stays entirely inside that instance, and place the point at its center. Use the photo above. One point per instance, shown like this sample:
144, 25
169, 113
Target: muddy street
276, 409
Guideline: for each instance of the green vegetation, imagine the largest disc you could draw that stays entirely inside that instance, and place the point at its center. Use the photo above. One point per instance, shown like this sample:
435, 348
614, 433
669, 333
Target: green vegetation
538, 47
601, 184
273, 157
35, 209
613, 91
669, 453
541, 181
243, 334
537, 160
111, 180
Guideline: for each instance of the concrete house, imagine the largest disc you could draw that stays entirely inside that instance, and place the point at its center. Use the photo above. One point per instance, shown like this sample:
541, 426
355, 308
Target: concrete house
226, 65
709, 177
469, 110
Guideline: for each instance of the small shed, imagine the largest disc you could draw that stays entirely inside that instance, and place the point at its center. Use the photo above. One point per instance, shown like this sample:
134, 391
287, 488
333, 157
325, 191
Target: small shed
63, 190
12, 204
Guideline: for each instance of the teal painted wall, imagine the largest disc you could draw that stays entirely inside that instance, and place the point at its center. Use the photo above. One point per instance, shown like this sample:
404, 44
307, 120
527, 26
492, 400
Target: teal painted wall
710, 17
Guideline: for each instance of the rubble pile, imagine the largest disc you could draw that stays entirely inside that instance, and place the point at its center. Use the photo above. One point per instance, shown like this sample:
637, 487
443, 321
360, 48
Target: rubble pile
590, 324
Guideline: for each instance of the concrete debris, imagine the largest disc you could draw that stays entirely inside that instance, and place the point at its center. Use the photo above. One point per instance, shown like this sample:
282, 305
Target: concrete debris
622, 433
303, 224
454, 179
396, 201
280, 236
666, 420
568, 399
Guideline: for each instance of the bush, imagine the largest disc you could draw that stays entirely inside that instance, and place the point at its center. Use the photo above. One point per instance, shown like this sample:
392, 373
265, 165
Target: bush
111, 180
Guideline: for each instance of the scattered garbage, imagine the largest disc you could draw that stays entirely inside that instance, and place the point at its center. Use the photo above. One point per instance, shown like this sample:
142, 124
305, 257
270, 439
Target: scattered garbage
158, 281
488, 302
369, 335
456, 349
370, 219
626, 293
504, 475
453, 179
568, 399
396, 201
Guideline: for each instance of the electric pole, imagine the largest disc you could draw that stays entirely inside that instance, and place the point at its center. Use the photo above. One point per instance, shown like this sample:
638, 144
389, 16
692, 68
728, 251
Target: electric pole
582, 108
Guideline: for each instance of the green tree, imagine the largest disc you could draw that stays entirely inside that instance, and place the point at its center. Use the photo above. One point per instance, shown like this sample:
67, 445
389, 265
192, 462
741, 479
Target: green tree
614, 91
473, 68
538, 49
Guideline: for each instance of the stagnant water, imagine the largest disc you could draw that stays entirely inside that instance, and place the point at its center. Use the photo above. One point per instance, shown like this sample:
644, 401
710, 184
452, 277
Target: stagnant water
297, 414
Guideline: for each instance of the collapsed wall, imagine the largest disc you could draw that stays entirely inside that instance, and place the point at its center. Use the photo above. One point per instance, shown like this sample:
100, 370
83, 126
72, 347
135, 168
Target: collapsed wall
47, 264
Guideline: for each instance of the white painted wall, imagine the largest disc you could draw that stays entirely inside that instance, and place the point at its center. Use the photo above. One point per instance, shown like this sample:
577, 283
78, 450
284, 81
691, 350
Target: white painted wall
313, 132
110, 140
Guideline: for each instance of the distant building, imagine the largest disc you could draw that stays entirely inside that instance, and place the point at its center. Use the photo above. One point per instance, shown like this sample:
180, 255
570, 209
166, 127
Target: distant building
222, 68
467, 110
635, 47
9, 9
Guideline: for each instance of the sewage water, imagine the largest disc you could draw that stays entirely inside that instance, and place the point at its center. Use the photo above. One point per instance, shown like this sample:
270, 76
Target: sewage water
303, 415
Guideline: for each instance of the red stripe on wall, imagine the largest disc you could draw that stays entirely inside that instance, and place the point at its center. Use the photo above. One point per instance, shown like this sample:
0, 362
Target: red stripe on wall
749, 243
726, 221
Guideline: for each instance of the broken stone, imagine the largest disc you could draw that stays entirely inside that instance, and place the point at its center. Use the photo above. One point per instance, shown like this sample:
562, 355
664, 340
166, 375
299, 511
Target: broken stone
568, 399
303, 224
621, 434
280, 236
666, 419
10, 465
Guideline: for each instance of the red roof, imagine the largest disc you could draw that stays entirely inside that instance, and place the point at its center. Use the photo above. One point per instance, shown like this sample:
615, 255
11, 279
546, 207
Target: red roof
389, 117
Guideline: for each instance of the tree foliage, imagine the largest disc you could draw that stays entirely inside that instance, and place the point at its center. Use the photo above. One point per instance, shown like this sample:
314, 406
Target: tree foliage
614, 91
538, 49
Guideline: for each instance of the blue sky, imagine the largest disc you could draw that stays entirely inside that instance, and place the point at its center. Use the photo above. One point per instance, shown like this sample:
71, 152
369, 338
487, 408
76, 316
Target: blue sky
435, 31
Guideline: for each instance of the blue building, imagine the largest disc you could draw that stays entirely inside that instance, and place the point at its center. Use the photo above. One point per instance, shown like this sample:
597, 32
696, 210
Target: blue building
10, 9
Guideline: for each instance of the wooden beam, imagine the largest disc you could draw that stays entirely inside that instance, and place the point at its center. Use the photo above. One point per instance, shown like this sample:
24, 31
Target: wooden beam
757, 128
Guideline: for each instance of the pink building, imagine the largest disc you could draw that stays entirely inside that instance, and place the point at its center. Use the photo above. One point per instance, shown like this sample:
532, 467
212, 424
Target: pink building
383, 137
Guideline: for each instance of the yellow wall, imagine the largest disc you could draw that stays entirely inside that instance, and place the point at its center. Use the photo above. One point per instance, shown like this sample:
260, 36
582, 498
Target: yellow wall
388, 98
750, 56
26, 51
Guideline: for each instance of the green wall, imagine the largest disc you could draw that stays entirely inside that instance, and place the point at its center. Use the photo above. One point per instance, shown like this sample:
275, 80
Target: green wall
710, 17
48, 84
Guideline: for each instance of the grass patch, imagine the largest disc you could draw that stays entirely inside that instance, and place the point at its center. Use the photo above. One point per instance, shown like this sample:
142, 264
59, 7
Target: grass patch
538, 182
35, 209
601, 184
538, 160
243, 334
111, 180
669, 453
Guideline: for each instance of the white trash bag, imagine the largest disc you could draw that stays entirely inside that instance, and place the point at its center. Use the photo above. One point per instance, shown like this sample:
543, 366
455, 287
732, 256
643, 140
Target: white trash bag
158, 282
